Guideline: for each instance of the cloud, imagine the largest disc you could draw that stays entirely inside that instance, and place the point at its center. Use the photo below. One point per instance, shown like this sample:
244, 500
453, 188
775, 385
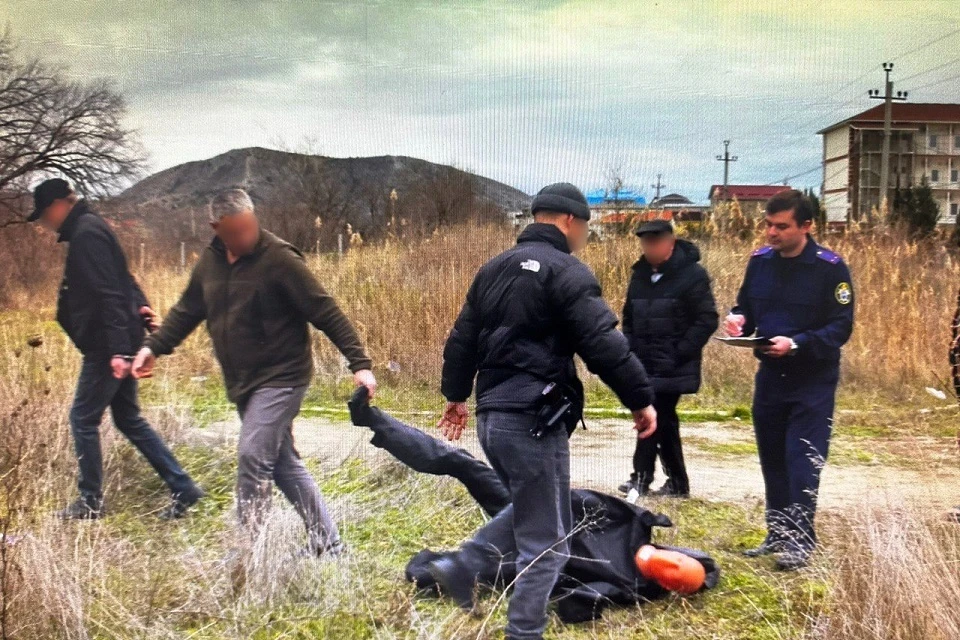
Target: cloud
522, 92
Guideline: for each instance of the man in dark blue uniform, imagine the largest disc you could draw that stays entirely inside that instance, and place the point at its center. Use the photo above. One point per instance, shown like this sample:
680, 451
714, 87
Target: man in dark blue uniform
800, 296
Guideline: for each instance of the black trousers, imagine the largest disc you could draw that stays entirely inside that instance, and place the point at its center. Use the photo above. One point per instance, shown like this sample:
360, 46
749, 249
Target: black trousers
97, 389
793, 423
665, 442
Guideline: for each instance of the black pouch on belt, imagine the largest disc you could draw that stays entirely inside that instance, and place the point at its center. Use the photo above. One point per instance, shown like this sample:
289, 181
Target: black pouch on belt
555, 411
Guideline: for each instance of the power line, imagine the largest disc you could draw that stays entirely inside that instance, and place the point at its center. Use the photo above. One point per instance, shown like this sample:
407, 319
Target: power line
794, 177
936, 68
926, 44
935, 83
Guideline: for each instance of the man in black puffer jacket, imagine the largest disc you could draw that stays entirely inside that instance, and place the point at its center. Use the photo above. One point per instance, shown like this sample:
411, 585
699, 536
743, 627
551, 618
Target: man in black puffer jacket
528, 311
668, 318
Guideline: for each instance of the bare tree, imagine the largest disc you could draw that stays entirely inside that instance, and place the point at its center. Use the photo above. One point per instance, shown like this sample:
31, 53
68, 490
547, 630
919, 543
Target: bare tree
450, 197
49, 124
317, 201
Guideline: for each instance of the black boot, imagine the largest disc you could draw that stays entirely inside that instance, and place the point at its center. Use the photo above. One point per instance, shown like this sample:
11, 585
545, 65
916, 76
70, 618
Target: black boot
793, 558
768, 547
643, 488
670, 490
180, 502
453, 581
82, 509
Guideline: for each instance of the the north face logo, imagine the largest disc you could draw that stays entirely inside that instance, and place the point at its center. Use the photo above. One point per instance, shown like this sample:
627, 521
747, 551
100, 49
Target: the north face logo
530, 265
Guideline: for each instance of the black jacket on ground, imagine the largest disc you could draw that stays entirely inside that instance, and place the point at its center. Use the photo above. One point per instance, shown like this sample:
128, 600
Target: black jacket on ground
601, 570
528, 311
99, 301
668, 322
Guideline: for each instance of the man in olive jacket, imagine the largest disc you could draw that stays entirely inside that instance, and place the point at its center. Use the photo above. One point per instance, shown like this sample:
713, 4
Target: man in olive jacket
257, 295
668, 318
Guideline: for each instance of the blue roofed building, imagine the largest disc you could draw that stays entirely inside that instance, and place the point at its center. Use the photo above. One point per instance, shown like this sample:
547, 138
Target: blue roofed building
607, 199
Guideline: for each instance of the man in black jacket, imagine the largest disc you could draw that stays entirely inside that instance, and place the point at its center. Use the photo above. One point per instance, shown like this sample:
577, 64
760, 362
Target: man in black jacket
668, 318
104, 312
601, 570
528, 311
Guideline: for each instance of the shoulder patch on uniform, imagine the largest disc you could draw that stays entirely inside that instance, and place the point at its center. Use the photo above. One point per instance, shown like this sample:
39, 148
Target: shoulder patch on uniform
530, 265
843, 293
827, 255
762, 251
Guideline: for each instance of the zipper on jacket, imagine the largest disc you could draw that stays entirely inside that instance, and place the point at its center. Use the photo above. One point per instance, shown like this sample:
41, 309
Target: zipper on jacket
226, 315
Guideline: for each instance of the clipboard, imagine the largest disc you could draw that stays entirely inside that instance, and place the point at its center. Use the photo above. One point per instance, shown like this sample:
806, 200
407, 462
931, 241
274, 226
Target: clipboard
751, 342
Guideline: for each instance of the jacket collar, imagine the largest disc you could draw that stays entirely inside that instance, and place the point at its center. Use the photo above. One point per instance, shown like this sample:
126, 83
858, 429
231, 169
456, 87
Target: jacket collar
81, 208
808, 255
541, 232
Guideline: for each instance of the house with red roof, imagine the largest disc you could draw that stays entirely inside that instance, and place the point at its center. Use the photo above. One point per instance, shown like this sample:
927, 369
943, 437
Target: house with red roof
748, 195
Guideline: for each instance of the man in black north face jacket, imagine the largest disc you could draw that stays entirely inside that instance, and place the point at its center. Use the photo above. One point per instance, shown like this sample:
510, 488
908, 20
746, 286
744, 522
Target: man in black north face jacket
528, 311
668, 318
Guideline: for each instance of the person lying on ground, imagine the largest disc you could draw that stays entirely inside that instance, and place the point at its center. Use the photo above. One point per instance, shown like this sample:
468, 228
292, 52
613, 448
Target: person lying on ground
600, 570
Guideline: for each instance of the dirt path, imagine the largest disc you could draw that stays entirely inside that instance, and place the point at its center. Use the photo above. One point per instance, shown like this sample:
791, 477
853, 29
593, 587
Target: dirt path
600, 459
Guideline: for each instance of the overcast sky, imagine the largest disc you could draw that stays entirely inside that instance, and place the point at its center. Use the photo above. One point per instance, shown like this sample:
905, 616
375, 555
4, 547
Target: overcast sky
523, 92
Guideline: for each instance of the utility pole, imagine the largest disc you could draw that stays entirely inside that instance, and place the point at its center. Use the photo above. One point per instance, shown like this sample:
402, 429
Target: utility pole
726, 159
888, 97
659, 185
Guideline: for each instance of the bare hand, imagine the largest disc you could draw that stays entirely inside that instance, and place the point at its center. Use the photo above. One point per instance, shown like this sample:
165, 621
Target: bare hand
781, 346
143, 363
645, 422
120, 366
733, 325
150, 318
365, 378
454, 420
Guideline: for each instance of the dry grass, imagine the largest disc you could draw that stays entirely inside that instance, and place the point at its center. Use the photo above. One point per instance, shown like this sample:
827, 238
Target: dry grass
886, 575
894, 575
404, 299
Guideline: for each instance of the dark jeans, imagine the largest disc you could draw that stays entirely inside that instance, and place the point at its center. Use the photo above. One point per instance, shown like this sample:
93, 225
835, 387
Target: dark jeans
793, 422
665, 442
97, 389
537, 475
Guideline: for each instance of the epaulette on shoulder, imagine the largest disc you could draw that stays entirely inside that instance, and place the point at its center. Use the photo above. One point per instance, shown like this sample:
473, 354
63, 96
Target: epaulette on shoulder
828, 256
762, 251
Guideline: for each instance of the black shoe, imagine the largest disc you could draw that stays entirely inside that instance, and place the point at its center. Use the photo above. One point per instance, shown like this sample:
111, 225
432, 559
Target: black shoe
767, 548
180, 502
453, 581
329, 552
630, 485
82, 509
793, 560
361, 413
668, 490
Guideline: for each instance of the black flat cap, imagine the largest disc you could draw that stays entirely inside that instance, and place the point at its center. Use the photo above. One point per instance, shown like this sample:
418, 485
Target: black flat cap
655, 227
561, 197
45, 193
